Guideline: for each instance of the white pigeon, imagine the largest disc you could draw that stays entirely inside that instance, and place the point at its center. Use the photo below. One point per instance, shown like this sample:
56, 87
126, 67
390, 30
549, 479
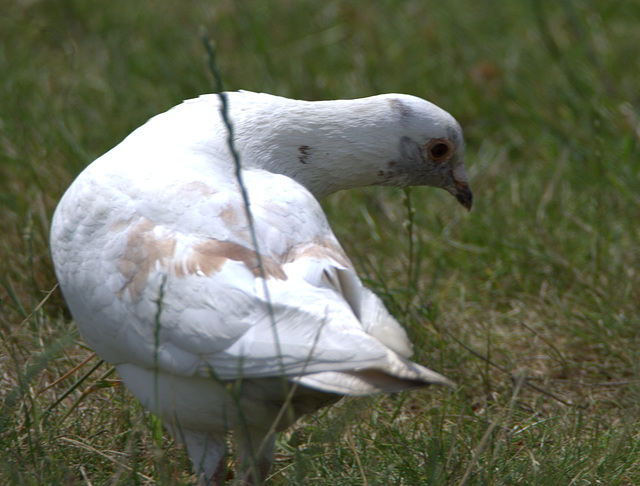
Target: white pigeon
211, 330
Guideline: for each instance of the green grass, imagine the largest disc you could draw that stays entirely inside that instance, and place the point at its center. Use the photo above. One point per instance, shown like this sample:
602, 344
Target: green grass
540, 282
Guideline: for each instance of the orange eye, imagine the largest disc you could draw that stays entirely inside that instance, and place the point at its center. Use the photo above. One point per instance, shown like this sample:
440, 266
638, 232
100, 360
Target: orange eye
440, 149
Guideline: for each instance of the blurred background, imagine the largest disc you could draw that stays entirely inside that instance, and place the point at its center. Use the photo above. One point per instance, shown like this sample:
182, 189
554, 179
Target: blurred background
530, 302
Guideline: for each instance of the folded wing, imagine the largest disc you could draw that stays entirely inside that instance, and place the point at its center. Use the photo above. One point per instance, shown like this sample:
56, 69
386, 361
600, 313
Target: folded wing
191, 295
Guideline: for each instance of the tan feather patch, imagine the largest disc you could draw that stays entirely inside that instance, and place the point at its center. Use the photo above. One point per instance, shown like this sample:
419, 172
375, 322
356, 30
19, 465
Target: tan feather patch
144, 250
198, 187
209, 256
320, 249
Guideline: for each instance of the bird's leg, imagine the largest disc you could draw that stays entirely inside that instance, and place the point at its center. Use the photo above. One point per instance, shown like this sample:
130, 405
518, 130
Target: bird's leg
255, 456
207, 453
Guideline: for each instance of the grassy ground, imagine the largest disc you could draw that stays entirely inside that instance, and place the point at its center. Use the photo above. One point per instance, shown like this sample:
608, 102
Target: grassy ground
531, 302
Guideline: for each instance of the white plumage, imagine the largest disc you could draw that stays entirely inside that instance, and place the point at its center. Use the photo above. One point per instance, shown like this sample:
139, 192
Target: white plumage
153, 251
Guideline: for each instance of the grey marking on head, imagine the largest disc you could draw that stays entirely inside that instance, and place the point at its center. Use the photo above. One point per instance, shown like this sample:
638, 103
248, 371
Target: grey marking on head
409, 150
390, 173
386, 176
304, 153
401, 109
455, 135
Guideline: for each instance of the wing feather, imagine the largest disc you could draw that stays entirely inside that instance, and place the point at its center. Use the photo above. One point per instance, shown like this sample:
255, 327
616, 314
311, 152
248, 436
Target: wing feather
189, 294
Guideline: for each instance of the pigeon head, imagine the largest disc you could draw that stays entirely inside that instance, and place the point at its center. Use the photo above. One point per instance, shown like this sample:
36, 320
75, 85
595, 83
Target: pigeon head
385, 140
430, 149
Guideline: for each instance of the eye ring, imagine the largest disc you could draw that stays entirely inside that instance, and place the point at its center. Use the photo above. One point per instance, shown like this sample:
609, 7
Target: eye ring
440, 149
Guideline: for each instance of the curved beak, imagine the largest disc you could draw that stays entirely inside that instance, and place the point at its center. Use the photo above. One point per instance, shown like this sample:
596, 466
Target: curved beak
460, 188
463, 194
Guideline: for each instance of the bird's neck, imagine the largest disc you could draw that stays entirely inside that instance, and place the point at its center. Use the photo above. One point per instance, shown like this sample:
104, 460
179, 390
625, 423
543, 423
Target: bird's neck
326, 146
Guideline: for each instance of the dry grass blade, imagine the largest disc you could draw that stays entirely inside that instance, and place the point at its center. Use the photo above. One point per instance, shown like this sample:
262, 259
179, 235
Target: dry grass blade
486, 437
109, 457
19, 328
513, 378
